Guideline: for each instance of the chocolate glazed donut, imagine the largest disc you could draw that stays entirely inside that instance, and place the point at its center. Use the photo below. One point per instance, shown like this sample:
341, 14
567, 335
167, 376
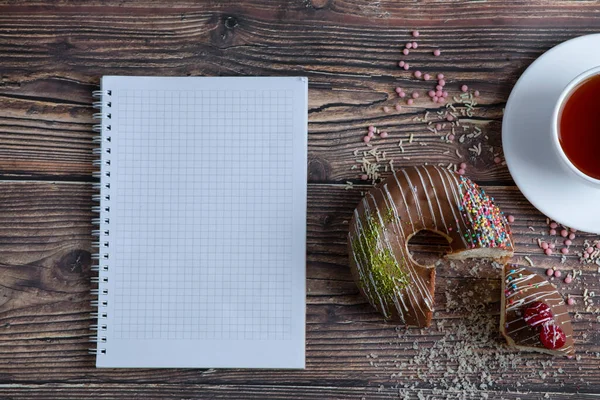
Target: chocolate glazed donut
411, 200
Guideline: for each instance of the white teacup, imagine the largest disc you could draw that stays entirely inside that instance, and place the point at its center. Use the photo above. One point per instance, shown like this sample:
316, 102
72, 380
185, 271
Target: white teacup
556, 115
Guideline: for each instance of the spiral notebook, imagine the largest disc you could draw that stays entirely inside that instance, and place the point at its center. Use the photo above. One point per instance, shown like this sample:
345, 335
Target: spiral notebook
201, 231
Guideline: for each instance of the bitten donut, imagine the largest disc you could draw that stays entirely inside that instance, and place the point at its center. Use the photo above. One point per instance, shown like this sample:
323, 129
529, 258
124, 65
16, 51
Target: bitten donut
411, 200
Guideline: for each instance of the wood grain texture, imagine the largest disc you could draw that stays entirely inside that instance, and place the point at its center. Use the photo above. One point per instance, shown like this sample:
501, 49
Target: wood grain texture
44, 308
52, 55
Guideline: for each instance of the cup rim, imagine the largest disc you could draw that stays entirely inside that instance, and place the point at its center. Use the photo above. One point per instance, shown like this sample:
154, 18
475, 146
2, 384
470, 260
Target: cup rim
566, 92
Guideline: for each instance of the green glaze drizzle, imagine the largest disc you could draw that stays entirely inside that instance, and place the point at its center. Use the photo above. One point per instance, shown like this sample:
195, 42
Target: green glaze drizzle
389, 217
388, 276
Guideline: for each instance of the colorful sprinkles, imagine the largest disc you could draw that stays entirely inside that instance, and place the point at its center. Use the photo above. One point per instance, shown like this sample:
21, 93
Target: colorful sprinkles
490, 228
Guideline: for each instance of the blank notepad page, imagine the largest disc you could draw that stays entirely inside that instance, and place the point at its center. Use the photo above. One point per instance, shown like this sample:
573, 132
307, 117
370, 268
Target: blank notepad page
207, 221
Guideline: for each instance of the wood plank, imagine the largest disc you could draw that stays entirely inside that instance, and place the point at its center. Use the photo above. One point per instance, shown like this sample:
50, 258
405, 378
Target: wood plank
52, 60
44, 308
162, 391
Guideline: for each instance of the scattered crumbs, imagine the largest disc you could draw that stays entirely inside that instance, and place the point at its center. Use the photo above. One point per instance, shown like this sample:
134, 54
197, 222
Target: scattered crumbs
529, 261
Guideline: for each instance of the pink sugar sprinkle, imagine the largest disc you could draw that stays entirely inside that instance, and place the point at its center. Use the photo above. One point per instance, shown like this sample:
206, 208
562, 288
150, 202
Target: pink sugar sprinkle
548, 252
441, 100
510, 219
552, 232
402, 95
409, 45
405, 52
439, 93
463, 165
364, 177
571, 236
564, 233
371, 134
440, 76
415, 45
553, 225
568, 279
586, 255
568, 242
497, 160
573, 230
598, 245
371, 128
445, 94
476, 93
366, 139
442, 82
564, 250
438, 126
398, 107
386, 109
439, 87
415, 33
464, 88
449, 118
431, 93
552, 246
461, 171
417, 74
398, 90
570, 300
426, 77
437, 52
406, 66
451, 137
557, 273
549, 271
435, 99
384, 134
544, 245
590, 250
415, 95
401, 64
410, 102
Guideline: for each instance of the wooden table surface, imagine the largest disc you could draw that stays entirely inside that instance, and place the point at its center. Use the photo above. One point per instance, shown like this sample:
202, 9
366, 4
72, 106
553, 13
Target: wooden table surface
52, 55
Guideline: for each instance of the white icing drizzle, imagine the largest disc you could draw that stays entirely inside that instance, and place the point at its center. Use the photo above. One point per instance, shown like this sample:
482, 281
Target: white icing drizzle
544, 291
426, 192
424, 292
365, 270
413, 190
443, 173
416, 298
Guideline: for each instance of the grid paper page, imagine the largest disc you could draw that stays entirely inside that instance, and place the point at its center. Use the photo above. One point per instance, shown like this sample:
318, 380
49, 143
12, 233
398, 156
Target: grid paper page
207, 222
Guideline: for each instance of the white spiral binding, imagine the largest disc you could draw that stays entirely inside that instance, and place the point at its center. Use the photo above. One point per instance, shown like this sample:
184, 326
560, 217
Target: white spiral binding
102, 234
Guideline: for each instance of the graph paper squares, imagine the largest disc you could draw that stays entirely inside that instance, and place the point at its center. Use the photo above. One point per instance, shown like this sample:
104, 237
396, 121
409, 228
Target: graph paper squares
201, 214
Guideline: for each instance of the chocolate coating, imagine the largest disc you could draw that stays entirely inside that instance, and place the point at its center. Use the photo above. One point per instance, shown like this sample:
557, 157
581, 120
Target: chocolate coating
411, 200
522, 288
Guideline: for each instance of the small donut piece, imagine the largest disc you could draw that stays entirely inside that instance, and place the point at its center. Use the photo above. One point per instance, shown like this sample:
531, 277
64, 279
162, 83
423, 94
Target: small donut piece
523, 289
411, 200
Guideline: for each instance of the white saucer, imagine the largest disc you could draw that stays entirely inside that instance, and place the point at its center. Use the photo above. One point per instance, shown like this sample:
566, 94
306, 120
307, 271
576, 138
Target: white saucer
532, 161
